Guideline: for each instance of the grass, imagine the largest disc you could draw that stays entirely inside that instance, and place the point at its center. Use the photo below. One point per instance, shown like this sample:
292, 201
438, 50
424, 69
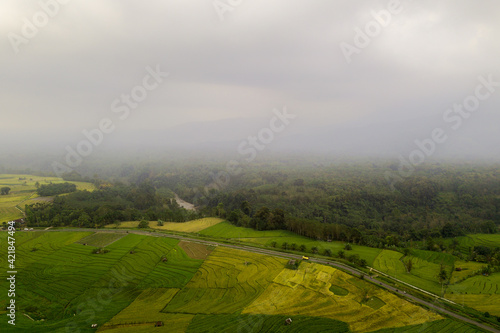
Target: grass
174, 273
62, 282
195, 250
374, 302
423, 274
191, 226
483, 303
172, 323
263, 323
307, 292
441, 326
478, 285
24, 192
469, 268
227, 230
100, 239
469, 241
152, 299
338, 291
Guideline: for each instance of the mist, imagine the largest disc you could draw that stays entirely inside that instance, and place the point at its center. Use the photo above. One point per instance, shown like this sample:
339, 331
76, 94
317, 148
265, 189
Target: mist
371, 79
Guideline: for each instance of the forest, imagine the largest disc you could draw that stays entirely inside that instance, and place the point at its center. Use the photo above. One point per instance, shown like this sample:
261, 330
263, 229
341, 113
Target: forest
349, 201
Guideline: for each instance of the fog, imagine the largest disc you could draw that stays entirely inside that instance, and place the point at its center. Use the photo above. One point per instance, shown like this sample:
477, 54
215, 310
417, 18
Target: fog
368, 78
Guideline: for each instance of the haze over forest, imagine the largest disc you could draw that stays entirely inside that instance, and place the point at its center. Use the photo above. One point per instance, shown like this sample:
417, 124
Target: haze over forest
228, 69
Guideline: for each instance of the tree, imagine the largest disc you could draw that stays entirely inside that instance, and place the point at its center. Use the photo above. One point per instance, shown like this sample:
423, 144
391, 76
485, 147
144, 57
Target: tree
328, 252
234, 217
314, 249
220, 212
37, 184
348, 247
273, 244
143, 224
245, 208
442, 276
284, 246
84, 220
409, 265
362, 263
341, 254
302, 248
293, 246
5, 190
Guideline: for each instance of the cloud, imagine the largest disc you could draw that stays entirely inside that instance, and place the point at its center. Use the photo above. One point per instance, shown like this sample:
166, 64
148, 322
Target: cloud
263, 55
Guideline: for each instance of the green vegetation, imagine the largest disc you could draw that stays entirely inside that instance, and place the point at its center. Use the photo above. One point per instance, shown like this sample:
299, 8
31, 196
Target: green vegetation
306, 292
441, 326
227, 281
55, 189
106, 205
266, 238
264, 323
23, 191
130, 288
338, 291
100, 239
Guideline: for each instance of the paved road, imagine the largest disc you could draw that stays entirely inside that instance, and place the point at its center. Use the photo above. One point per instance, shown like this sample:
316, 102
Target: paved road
319, 261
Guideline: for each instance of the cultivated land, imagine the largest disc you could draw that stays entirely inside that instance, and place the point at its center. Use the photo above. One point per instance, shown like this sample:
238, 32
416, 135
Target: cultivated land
145, 279
191, 226
229, 231
481, 294
23, 192
463, 287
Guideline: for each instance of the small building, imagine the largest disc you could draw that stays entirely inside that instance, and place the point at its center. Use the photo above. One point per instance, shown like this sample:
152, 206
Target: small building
19, 221
288, 321
94, 326
159, 324
292, 262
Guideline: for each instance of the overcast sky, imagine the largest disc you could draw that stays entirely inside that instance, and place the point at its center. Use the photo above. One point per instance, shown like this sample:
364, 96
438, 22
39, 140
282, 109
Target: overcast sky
261, 55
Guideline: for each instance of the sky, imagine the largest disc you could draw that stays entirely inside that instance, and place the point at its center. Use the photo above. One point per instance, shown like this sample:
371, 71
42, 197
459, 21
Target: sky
66, 65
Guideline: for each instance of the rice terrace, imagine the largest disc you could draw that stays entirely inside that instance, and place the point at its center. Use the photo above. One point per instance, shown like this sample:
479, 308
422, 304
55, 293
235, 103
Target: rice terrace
143, 281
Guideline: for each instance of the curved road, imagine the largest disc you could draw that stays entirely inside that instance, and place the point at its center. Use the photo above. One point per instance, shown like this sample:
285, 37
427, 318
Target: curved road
319, 261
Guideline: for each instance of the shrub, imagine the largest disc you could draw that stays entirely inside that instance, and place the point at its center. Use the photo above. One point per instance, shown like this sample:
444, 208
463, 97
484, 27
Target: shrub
143, 224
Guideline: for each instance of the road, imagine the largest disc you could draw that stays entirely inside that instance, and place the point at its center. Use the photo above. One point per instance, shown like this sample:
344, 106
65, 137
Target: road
319, 261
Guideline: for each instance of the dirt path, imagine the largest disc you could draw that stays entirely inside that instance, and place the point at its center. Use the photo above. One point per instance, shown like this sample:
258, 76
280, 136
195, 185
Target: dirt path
184, 204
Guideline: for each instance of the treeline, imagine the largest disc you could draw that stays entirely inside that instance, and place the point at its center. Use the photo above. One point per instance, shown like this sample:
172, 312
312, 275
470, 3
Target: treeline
55, 189
107, 205
436, 201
